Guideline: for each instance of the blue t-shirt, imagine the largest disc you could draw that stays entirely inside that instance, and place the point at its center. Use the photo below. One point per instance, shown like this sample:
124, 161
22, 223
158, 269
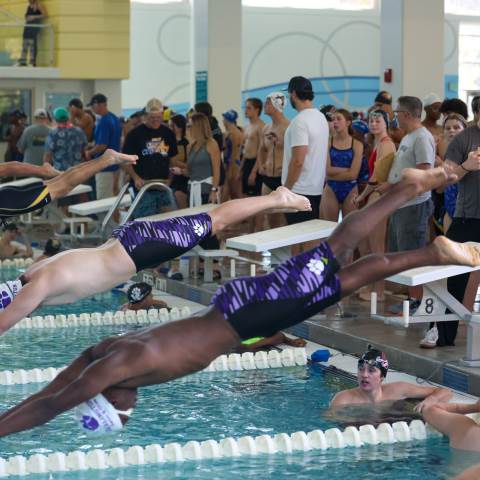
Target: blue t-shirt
108, 131
66, 145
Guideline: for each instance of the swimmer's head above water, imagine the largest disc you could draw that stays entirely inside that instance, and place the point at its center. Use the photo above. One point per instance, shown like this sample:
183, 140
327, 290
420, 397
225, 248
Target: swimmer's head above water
101, 415
372, 369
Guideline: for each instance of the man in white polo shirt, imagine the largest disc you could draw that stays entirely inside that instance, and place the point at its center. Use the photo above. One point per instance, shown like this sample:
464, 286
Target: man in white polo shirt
305, 149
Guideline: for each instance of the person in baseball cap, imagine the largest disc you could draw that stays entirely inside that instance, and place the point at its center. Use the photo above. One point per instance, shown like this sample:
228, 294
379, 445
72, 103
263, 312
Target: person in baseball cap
431, 105
97, 99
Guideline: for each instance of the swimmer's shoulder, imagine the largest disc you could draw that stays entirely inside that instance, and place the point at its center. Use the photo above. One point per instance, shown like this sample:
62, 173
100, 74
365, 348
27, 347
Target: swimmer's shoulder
345, 397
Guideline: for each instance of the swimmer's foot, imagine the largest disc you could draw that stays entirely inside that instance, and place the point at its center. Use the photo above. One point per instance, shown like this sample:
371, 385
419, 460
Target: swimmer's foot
453, 253
116, 158
425, 180
287, 201
49, 171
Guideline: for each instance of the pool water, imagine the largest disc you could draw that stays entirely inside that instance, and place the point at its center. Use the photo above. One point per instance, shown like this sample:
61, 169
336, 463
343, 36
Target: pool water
218, 405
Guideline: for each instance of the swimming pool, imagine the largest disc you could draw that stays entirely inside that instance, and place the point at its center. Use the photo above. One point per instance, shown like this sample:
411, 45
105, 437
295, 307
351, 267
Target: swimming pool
218, 405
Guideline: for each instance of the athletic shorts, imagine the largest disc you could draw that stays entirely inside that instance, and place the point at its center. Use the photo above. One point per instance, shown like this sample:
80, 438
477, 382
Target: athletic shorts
272, 182
251, 190
19, 200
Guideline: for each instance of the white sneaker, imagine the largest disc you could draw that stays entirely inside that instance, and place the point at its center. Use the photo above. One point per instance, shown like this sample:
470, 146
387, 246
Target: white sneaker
430, 339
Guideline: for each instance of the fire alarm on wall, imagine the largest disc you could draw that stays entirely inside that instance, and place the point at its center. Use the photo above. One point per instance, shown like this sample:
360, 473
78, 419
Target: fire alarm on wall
387, 75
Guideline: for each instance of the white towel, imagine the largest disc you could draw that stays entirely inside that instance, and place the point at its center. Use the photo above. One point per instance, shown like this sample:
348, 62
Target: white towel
196, 191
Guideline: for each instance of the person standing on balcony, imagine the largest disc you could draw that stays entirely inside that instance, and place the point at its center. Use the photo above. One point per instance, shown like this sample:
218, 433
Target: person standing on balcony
34, 15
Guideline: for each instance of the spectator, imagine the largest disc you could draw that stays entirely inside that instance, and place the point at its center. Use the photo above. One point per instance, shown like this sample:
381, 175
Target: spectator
108, 132
206, 109
383, 101
454, 105
16, 125
34, 15
203, 163
32, 141
134, 120
328, 111
65, 145
8, 250
231, 155
380, 163
305, 149
52, 247
463, 154
344, 161
179, 183
408, 228
475, 108
155, 144
140, 298
80, 118
431, 105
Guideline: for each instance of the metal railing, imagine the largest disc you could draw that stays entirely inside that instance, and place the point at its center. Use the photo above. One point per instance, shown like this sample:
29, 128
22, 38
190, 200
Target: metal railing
11, 43
158, 184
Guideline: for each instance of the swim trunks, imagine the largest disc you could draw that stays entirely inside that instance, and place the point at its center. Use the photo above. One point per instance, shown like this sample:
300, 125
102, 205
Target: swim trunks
251, 190
150, 243
297, 289
19, 200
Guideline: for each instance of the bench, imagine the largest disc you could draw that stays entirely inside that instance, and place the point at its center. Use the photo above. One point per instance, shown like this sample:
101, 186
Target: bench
436, 299
98, 206
280, 239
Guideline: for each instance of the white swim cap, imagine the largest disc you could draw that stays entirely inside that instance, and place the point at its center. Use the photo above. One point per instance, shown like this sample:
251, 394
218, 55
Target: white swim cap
278, 99
99, 416
8, 291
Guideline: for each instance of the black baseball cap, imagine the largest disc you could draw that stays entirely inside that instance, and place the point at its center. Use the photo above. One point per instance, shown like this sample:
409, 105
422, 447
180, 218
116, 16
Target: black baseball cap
384, 98
98, 98
299, 85
75, 102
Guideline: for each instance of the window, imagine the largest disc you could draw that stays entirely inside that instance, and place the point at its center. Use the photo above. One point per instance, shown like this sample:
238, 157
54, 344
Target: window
11, 100
462, 7
313, 4
469, 60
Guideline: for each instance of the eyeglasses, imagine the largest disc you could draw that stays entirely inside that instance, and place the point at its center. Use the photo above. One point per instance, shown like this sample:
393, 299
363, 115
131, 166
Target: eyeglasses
401, 111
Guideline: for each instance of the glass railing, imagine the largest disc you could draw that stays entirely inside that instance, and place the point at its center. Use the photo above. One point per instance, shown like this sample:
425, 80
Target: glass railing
16, 50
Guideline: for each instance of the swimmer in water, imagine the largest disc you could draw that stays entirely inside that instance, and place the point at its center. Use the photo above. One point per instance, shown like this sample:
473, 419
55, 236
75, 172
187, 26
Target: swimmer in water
19, 200
240, 309
140, 298
372, 371
79, 273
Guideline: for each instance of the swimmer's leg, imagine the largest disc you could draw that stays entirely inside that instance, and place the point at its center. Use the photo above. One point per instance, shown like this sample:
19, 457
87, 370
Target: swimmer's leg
359, 224
68, 180
376, 267
236, 211
20, 169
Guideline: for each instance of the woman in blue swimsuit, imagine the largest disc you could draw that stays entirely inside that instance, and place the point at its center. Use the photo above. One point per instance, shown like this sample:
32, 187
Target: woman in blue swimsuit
343, 167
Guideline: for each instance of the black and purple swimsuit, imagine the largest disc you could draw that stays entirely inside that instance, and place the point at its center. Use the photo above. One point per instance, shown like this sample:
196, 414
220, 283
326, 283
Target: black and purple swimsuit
151, 243
297, 289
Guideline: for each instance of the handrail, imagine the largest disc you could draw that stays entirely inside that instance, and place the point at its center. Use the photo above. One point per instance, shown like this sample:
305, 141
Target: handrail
114, 206
147, 186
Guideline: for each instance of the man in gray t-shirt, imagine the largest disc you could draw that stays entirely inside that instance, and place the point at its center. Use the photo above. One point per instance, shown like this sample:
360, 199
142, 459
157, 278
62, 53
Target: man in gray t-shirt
32, 141
408, 227
464, 157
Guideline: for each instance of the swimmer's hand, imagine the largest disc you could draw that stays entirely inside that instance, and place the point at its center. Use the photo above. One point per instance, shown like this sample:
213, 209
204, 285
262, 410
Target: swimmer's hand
427, 403
176, 170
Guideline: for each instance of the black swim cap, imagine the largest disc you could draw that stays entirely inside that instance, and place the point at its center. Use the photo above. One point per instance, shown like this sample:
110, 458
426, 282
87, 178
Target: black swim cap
52, 247
375, 358
138, 291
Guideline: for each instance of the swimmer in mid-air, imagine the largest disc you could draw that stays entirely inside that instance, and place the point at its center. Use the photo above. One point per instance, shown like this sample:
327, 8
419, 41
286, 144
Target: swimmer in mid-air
82, 272
101, 384
19, 200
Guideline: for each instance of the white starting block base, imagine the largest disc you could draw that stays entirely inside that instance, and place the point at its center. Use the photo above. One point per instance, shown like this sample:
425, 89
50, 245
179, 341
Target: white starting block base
435, 301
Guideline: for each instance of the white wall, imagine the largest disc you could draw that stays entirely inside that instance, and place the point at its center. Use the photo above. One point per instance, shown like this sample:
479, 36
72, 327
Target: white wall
277, 43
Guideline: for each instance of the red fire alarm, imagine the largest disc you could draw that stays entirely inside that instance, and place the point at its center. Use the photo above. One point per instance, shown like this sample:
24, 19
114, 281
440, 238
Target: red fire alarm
387, 75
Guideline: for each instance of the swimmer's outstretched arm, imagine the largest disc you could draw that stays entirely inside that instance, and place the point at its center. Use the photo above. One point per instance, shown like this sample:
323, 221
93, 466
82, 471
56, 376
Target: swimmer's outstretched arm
472, 473
95, 378
27, 300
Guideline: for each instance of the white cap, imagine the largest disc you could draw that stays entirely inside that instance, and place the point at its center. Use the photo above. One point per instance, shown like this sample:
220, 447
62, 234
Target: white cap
8, 291
430, 99
99, 416
40, 113
278, 99
154, 105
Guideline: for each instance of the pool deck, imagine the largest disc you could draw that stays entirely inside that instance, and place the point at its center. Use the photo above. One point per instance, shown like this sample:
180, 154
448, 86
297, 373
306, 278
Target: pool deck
357, 329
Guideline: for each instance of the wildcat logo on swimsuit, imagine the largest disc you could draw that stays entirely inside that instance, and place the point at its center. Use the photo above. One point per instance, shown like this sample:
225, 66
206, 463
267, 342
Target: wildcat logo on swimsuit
316, 266
198, 229
136, 294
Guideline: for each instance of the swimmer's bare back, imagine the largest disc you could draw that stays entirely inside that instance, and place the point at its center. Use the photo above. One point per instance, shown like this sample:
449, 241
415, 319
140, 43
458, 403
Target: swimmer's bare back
169, 351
